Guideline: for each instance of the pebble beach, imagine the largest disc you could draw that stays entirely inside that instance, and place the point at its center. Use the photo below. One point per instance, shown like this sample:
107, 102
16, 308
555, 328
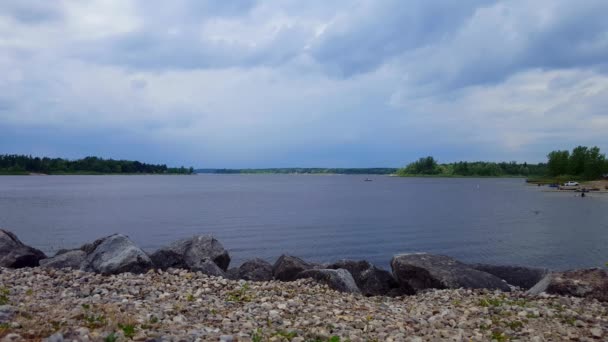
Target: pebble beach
180, 305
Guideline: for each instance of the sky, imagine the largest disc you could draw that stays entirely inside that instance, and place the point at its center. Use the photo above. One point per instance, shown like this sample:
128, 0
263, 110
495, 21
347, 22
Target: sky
280, 83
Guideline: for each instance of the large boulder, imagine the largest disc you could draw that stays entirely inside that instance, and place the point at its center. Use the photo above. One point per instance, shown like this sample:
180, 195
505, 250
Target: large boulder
191, 254
371, 280
254, 270
423, 271
115, 254
287, 267
75, 259
587, 283
339, 280
523, 277
14, 254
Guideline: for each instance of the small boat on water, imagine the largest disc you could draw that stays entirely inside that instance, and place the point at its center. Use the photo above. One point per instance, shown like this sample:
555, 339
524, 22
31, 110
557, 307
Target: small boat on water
367, 180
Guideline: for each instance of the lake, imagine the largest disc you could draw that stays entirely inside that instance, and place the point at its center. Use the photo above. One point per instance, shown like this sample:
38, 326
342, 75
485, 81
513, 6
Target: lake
319, 218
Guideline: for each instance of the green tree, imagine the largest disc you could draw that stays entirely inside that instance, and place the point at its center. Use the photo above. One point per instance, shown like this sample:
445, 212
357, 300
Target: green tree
558, 163
423, 166
594, 164
577, 161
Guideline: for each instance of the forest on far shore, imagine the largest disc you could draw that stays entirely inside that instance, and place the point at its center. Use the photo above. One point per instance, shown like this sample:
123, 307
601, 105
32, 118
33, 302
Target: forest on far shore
583, 163
21, 164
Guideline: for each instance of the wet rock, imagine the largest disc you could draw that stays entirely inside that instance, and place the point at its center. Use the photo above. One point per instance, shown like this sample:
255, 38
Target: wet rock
371, 280
287, 267
339, 280
14, 254
255, 270
587, 283
75, 259
116, 254
190, 254
523, 277
424, 271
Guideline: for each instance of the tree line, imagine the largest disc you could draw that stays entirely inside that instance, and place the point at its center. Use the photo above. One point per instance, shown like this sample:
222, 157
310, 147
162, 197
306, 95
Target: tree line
583, 163
23, 164
429, 166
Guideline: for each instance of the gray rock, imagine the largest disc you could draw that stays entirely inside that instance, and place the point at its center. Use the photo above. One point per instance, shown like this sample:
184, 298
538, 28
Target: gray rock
233, 273
14, 254
523, 277
423, 271
58, 337
255, 270
371, 280
12, 337
356, 268
209, 267
115, 254
190, 253
339, 280
75, 259
287, 267
587, 283
7, 313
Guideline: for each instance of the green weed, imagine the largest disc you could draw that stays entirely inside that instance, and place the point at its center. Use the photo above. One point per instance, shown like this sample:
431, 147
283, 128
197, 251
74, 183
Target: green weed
499, 336
240, 295
4, 293
495, 302
110, 338
128, 330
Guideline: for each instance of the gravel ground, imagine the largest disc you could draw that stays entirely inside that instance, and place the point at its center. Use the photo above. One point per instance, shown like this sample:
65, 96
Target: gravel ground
178, 305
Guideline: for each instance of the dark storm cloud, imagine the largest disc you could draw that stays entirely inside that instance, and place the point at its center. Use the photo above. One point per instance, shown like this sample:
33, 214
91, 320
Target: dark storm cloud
444, 43
386, 29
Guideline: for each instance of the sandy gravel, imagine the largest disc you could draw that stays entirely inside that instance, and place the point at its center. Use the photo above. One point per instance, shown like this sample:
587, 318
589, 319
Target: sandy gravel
178, 305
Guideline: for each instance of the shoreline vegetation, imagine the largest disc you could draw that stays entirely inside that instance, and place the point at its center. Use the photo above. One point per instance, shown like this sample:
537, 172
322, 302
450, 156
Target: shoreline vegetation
28, 165
111, 290
582, 164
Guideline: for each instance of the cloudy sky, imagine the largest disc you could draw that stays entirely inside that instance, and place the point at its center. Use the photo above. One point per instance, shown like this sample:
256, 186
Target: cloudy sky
302, 83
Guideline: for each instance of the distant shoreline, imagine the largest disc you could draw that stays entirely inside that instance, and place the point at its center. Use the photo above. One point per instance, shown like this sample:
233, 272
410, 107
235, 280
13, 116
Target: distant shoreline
93, 174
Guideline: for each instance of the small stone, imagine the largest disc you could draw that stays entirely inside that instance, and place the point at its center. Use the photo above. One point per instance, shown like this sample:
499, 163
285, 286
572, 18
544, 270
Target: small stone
6, 313
12, 337
596, 332
226, 338
58, 337
179, 319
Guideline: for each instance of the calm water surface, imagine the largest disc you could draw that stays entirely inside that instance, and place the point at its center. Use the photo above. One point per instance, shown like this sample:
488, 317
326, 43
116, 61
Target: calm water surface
321, 218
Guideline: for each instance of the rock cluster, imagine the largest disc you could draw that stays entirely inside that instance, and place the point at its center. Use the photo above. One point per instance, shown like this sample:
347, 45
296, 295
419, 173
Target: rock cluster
411, 273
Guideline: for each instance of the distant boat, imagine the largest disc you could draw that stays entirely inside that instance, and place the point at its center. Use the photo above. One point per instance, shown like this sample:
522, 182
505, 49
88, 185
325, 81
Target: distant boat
367, 180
